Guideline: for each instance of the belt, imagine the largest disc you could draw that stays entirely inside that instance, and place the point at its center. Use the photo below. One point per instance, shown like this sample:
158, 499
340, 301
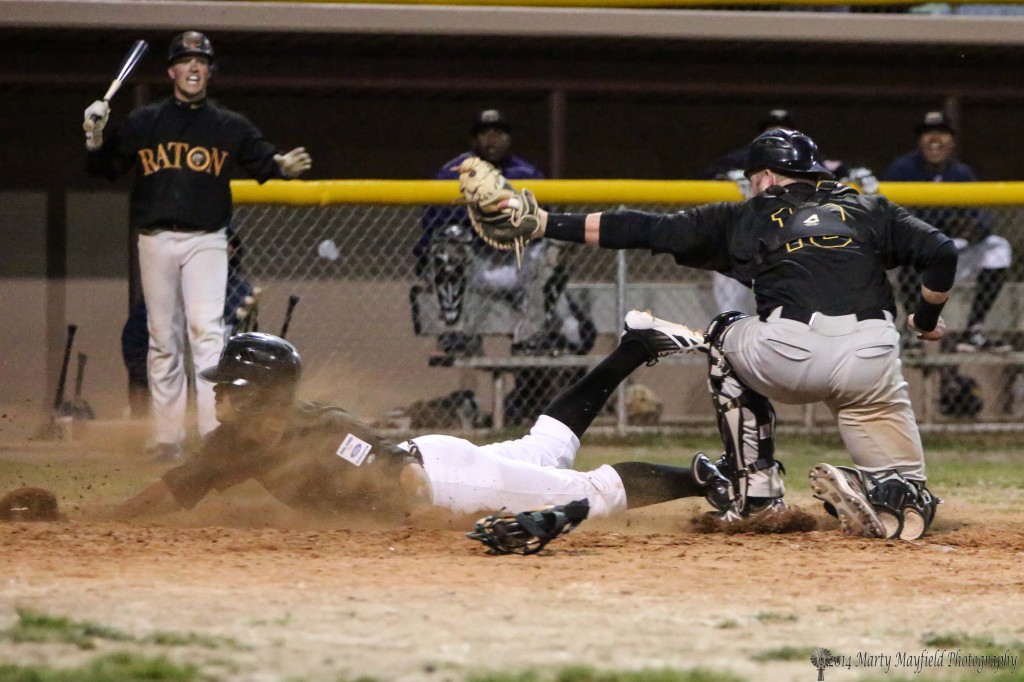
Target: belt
173, 227
804, 315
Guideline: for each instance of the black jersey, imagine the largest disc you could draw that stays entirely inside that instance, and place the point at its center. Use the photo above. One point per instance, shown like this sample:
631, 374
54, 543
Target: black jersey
835, 273
326, 461
184, 155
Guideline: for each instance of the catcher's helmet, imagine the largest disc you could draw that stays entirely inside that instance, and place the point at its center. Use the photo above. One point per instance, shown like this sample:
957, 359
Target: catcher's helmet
788, 151
262, 370
189, 44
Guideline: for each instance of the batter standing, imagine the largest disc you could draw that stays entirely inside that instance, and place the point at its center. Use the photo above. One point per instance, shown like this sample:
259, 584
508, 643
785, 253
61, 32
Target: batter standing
816, 253
184, 150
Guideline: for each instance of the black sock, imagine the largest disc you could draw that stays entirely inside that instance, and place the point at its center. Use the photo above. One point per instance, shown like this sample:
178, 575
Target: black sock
579, 405
647, 483
986, 290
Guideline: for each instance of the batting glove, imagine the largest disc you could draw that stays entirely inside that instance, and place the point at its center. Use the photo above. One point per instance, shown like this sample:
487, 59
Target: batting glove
865, 179
742, 183
95, 119
294, 163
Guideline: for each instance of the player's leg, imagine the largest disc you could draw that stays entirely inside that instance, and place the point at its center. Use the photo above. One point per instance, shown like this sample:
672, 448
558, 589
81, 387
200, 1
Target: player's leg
987, 262
554, 439
204, 273
746, 418
645, 338
467, 479
878, 427
159, 264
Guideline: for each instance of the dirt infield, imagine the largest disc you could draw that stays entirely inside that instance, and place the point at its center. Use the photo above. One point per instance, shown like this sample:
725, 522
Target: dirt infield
297, 598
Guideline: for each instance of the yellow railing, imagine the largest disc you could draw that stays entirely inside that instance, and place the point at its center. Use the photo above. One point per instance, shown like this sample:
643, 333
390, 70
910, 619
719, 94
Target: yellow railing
649, 3
328, 192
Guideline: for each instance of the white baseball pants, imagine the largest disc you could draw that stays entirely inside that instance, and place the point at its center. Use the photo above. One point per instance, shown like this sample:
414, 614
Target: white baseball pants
517, 475
184, 275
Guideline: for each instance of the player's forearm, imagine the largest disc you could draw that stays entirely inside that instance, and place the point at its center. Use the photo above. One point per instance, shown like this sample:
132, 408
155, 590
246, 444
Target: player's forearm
614, 230
156, 498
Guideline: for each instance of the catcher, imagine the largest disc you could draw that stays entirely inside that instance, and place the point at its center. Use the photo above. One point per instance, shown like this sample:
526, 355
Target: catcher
321, 458
818, 252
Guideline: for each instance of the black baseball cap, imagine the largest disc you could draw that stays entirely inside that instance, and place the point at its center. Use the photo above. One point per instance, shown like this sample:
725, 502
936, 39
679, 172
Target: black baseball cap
777, 118
935, 120
490, 118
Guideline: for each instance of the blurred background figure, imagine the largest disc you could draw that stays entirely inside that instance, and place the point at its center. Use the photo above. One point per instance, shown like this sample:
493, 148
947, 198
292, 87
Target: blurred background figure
469, 278
984, 256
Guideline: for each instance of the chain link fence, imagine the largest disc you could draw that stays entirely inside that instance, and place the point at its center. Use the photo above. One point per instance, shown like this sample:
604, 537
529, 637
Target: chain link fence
458, 337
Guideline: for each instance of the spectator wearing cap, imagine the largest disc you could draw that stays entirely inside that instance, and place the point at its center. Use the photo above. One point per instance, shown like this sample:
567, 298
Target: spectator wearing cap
984, 256
730, 294
491, 140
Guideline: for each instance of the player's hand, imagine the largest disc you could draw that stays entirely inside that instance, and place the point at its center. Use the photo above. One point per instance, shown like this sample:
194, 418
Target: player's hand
95, 119
933, 335
742, 182
294, 163
864, 179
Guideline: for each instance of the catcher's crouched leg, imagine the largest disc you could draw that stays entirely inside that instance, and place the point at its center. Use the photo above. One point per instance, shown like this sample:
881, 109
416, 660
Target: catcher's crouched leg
746, 423
528, 532
884, 505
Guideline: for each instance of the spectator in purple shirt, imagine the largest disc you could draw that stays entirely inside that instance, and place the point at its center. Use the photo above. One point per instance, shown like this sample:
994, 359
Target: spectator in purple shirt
984, 256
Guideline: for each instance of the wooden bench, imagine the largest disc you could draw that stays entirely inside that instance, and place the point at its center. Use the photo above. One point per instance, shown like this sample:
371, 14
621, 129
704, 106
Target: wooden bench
693, 303
499, 367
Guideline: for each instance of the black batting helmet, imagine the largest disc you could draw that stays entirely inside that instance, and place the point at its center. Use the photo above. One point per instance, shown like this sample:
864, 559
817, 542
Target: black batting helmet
263, 371
788, 151
190, 44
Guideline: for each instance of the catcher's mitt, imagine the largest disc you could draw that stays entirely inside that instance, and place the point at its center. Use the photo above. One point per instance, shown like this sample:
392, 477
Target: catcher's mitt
528, 532
30, 504
484, 188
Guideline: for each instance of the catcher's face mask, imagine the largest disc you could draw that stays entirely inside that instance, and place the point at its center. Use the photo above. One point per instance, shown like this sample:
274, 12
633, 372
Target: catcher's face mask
449, 257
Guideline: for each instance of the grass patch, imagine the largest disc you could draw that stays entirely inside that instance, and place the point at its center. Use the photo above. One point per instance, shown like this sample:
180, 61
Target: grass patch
115, 667
970, 644
784, 653
40, 627
586, 674
774, 617
194, 639
33, 626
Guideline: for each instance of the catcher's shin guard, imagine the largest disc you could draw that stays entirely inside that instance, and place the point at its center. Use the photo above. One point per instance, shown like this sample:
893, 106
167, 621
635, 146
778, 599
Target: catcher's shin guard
746, 423
528, 532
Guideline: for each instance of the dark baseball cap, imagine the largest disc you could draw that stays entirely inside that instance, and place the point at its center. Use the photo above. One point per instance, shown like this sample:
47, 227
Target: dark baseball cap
490, 118
935, 120
777, 118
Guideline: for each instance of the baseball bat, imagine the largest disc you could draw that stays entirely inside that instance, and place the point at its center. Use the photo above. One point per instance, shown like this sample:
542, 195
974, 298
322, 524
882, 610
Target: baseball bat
80, 408
293, 301
59, 398
131, 60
